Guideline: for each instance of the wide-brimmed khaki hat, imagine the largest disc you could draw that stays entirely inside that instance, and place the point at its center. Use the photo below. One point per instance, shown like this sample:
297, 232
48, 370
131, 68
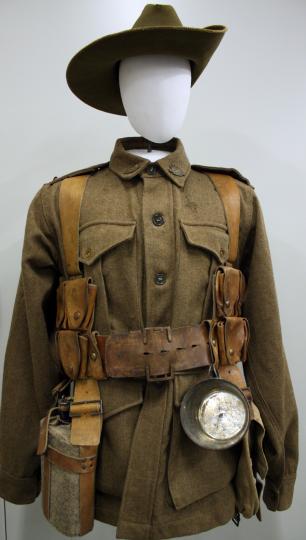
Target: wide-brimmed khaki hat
92, 74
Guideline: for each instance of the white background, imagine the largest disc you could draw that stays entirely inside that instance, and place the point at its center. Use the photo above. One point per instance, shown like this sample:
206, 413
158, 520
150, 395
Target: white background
247, 111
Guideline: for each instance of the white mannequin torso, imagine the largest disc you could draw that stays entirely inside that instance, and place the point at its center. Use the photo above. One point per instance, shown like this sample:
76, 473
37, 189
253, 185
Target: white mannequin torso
155, 91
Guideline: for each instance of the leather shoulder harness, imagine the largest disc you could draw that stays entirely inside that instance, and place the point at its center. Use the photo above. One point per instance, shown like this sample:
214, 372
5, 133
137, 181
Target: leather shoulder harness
229, 193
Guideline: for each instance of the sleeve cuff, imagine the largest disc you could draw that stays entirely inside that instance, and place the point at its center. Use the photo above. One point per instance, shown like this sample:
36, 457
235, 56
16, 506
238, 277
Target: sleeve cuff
279, 498
22, 490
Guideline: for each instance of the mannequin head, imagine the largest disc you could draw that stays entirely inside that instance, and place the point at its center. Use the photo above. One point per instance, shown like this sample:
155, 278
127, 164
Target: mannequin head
155, 92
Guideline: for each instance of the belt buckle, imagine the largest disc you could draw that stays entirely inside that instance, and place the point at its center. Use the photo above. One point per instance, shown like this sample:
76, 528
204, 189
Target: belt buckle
160, 378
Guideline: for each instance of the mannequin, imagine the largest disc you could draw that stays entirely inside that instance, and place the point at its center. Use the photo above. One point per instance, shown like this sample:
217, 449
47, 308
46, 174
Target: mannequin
155, 91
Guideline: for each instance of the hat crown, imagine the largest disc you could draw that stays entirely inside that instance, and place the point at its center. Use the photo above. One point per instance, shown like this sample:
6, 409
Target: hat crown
157, 15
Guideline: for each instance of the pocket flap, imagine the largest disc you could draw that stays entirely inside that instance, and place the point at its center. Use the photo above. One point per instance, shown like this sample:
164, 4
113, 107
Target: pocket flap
68, 348
97, 238
213, 238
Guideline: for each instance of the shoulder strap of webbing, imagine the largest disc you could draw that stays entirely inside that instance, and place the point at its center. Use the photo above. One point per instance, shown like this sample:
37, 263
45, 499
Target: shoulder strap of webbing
230, 195
85, 428
70, 199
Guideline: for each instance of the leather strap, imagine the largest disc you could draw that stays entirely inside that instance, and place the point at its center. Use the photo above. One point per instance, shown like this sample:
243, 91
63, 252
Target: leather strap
46, 487
86, 427
79, 465
155, 352
70, 197
230, 195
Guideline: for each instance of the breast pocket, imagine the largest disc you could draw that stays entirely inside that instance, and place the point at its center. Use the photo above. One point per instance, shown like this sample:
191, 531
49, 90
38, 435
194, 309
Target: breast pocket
203, 247
108, 254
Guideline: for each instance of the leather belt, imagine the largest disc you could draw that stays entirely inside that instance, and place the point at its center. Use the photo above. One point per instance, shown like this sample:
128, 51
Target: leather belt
156, 352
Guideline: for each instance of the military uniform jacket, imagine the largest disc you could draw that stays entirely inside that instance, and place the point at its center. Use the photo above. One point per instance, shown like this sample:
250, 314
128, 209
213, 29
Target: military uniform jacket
151, 237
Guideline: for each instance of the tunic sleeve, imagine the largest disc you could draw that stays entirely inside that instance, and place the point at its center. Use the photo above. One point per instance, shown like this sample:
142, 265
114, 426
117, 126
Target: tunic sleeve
30, 370
266, 370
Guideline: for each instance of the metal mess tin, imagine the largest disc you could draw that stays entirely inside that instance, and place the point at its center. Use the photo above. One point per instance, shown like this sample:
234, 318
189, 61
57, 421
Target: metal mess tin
215, 413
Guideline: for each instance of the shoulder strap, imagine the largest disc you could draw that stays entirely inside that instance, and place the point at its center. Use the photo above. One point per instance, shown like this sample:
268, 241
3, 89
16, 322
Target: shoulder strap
229, 171
86, 428
230, 195
70, 198
87, 170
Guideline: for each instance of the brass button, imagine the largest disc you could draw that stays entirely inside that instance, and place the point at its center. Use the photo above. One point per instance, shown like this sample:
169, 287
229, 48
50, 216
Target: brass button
160, 278
158, 218
174, 169
227, 302
93, 355
76, 315
231, 351
214, 342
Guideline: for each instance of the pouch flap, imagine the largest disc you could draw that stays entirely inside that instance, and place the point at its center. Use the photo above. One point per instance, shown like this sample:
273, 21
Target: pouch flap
69, 352
236, 338
229, 291
98, 238
213, 238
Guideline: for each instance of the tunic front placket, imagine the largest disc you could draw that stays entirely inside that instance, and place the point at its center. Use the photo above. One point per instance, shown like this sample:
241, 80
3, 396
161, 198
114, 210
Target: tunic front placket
151, 433
159, 247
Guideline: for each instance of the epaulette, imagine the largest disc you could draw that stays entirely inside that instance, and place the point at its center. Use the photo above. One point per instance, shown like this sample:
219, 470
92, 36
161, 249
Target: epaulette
224, 170
88, 170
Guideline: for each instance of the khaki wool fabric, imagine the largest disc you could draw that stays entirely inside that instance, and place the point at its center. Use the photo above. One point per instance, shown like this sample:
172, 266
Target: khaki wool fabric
152, 481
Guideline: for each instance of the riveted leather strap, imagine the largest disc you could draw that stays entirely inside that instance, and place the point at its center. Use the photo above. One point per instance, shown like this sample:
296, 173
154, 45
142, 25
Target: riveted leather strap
80, 465
86, 425
230, 195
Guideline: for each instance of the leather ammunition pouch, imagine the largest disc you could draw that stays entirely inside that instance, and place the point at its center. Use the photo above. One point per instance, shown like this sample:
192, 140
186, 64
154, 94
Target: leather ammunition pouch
76, 344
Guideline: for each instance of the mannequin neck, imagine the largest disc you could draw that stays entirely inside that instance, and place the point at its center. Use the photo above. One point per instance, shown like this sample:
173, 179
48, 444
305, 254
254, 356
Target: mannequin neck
152, 155
143, 147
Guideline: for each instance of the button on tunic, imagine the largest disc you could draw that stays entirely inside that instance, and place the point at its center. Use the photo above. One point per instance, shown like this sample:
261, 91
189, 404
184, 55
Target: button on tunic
151, 236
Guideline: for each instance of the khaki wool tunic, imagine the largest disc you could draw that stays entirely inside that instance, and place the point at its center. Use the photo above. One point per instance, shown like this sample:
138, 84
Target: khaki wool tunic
152, 481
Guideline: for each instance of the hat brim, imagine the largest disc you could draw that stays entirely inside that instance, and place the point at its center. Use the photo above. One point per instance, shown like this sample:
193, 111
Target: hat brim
92, 74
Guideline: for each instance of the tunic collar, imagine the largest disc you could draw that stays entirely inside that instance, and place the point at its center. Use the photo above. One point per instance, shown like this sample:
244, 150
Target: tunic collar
175, 165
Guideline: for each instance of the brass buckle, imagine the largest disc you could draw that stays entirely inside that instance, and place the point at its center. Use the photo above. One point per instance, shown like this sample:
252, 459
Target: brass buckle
94, 413
160, 378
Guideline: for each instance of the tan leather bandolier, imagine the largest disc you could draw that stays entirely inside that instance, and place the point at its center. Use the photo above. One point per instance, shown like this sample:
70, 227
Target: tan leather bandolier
87, 356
